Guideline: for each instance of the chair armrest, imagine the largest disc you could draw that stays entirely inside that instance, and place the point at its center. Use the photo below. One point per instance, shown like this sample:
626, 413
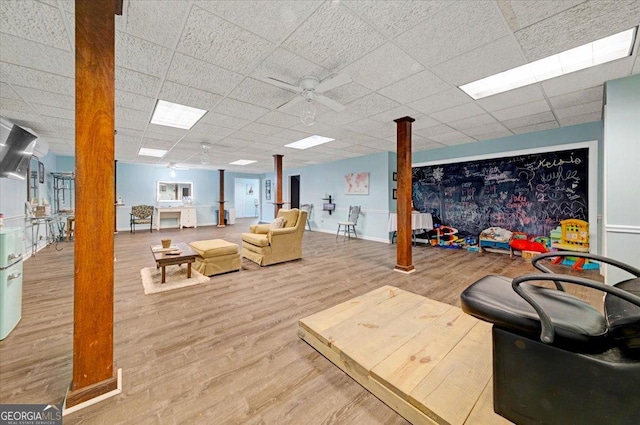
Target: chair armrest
262, 229
626, 267
547, 332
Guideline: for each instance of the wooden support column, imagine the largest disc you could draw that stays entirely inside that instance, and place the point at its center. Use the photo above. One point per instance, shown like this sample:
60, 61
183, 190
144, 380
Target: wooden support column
404, 262
221, 200
277, 166
94, 371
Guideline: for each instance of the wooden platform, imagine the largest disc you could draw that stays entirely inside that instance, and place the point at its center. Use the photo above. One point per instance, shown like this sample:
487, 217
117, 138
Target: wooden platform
427, 360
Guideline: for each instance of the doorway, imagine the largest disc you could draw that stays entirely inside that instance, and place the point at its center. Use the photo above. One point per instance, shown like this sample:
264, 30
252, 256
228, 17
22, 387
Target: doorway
246, 197
294, 191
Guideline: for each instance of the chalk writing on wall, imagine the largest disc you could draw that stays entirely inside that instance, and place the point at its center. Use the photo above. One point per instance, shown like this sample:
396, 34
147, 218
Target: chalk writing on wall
529, 193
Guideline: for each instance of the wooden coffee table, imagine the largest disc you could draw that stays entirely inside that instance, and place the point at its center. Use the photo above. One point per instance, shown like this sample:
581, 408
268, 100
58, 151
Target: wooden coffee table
163, 259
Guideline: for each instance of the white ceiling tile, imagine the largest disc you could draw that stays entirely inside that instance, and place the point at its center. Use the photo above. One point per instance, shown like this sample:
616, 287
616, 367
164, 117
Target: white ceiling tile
60, 124
522, 13
130, 118
511, 98
457, 112
395, 17
587, 78
212, 130
435, 130
279, 119
441, 101
580, 119
291, 135
157, 21
636, 67
333, 37
436, 40
135, 101
536, 127
385, 65
522, 110
471, 122
387, 117
337, 118
262, 129
388, 130
239, 109
55, 112
288, 67
528, 120
16, 105
371, 105
36, 22
177, 93
592, 94
576, 26
7, 92
140, 55
424, 122
488, 131
261, 94
26, 77
214, 40
45, 97
473, 65
454, 138
136, 82
164, 132
576, 110
365, 124
275, 20
202, 75
415, 87
37, 56
349, 92
221, 120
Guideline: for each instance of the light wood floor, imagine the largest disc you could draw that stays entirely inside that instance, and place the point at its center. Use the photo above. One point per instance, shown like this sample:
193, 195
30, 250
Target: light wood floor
226, 351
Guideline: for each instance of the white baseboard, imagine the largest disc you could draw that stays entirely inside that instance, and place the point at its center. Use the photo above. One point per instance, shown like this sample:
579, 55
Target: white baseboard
368, 238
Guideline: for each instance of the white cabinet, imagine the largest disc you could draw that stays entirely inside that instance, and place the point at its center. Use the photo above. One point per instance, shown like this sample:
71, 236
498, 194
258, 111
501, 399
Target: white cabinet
188, 217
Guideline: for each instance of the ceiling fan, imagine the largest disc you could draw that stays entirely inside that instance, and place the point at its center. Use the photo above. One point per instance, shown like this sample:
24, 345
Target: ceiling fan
174, 166
310, 89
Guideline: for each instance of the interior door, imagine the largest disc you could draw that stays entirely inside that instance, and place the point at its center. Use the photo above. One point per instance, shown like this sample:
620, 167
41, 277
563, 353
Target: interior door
294, 191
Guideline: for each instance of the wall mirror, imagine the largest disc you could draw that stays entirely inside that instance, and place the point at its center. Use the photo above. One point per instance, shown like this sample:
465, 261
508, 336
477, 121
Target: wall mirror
174, 191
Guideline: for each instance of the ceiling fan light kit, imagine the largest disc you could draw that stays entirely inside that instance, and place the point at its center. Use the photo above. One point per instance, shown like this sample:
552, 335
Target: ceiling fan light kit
204, 155
310, 88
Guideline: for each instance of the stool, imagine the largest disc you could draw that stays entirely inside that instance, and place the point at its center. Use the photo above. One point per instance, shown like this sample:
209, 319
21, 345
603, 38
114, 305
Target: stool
216, 256
70, 223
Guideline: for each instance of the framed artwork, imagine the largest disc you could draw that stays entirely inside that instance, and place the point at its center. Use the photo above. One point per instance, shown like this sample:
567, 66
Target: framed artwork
249, 189
395, 176
395, 193
40, 172
356, 184
267, 190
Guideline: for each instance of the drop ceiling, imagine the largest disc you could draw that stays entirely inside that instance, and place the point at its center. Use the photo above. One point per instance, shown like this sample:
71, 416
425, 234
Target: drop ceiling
404, 57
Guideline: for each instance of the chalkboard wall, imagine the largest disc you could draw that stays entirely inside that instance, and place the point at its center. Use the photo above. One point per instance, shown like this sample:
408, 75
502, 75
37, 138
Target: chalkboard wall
527, 193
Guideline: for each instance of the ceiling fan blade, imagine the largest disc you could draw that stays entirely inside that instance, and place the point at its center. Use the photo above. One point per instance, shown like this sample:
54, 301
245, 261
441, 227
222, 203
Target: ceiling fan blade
291, 102
332, 83
281, 84
338, 107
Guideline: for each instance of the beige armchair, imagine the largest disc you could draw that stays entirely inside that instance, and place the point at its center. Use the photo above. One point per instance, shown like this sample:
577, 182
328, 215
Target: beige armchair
264, 245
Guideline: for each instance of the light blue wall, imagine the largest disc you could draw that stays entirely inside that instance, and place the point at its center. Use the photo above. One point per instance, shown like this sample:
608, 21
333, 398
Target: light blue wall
621, 180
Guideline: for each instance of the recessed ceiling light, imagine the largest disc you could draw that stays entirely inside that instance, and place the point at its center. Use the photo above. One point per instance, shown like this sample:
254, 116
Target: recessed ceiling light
158, 153
309, 142
242, 162
176, 115
591, 54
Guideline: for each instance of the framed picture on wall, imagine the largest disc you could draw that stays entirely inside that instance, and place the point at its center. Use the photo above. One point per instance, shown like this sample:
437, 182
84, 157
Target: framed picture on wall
395, 193
395, 176
40, 172
267, 190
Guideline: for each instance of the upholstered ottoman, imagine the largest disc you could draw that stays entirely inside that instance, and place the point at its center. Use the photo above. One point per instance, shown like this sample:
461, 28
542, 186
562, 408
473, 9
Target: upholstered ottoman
216, 256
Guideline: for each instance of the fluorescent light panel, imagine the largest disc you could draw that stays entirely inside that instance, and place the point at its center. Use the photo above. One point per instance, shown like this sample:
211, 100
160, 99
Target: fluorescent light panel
176, 115
591, 54
242, 162
158, 153
309, 142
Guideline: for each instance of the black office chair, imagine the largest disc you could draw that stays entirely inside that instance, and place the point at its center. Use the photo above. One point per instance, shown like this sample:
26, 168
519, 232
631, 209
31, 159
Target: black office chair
556, 359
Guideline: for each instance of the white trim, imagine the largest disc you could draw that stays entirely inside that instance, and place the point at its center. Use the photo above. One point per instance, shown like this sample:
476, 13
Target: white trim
592, 172
621, 228
91, 402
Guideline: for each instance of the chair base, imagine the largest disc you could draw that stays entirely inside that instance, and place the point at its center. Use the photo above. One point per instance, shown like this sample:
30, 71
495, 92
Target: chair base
535, 383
